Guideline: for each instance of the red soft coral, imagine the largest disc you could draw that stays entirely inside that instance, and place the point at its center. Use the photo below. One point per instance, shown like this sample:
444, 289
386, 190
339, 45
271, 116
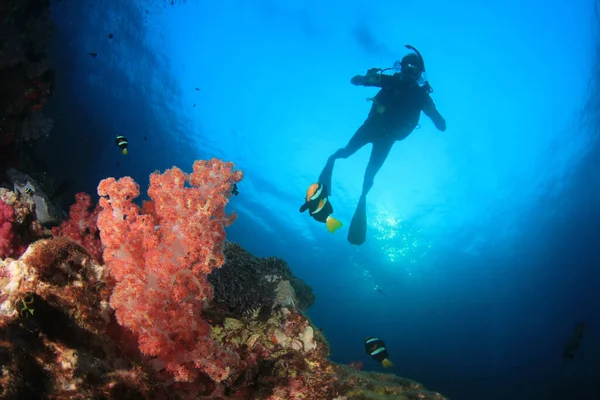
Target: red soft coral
11, 243
82, 225
7, 234
160, 256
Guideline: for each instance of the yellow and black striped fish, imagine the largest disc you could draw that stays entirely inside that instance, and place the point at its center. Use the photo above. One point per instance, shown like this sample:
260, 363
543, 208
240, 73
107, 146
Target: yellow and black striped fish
122, 142
376, 349
319, 207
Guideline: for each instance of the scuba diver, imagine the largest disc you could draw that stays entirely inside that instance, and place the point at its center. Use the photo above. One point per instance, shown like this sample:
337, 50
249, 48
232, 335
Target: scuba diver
394, 114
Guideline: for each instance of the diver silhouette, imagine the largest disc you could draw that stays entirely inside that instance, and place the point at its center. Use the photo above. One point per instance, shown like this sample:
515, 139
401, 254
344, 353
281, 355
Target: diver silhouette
394, 114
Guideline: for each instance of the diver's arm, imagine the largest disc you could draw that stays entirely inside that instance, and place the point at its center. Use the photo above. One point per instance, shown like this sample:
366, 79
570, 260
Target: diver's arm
431, 111
372, 78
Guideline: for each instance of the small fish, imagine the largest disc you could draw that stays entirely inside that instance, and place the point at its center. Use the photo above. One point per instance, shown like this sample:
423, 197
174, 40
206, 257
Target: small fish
194, 105
376, 349
145, 137
110, 36
122, 142
171, 2
235, 190
93, 55
197, 88
380, 290
319, 206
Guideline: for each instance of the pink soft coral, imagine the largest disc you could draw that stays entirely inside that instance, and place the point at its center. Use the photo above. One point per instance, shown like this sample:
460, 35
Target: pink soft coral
11, 244
160, 256
7, 234
81, 225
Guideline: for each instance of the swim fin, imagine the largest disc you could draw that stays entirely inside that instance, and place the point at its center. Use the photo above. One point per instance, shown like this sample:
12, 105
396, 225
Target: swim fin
332, 224
357, 234
325, 177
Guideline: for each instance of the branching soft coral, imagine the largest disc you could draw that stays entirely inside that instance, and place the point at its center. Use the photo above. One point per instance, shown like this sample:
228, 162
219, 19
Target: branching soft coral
10, 245
81, 226
7, 217
160, 256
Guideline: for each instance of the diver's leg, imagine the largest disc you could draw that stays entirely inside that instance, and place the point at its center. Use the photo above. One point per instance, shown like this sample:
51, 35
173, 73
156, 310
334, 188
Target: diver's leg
379, 154
357, 233
358, 140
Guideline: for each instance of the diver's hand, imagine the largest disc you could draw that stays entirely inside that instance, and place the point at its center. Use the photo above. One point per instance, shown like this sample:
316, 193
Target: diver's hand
372, 78
357, 80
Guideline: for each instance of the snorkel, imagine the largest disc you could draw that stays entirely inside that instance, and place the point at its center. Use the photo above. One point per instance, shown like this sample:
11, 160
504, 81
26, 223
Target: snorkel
425, 84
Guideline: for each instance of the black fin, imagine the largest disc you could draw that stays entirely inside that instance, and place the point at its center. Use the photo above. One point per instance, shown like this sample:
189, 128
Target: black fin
325, 177
357, 234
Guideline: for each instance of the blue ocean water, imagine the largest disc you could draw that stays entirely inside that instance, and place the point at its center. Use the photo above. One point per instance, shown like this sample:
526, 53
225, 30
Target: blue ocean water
484, 239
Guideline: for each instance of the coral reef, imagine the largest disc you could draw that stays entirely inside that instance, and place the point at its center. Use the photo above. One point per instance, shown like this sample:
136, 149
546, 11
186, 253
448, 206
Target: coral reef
376, 386
160, 256
7, 235
18, 224
304, 293
240, 285
82, 226
59, 339
54, 324
247, 285
145, 325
